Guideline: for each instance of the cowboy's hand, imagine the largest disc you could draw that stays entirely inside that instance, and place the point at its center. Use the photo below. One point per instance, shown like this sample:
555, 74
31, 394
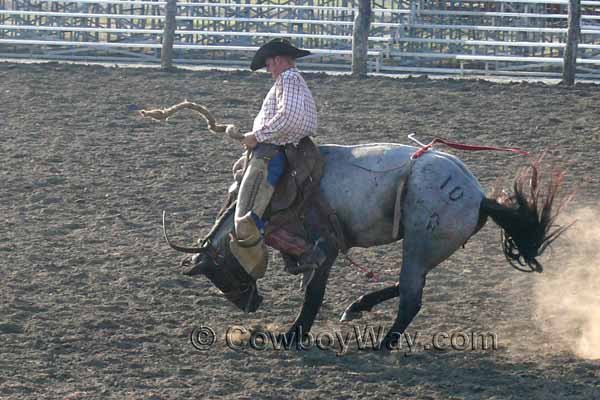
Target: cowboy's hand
249, 141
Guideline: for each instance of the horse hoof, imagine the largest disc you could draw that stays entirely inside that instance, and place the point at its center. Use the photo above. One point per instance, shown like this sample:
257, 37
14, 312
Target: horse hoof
383, 351
350, 316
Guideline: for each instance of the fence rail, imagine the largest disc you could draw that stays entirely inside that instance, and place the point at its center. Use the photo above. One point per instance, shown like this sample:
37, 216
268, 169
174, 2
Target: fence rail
484, 36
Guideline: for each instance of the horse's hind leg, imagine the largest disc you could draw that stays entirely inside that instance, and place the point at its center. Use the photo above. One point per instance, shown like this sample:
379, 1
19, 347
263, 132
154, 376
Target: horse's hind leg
437, 220
415, 265
368, 301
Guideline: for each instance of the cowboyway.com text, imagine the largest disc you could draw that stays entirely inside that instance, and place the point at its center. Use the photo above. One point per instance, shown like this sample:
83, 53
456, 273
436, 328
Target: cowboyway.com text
358, 337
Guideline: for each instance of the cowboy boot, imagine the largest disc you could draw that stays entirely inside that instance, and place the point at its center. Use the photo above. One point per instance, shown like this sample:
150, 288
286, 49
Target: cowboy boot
292, 266
306, 264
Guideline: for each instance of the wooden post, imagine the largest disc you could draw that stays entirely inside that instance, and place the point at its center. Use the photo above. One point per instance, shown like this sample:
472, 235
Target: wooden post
166, 54
360, 39
573, 34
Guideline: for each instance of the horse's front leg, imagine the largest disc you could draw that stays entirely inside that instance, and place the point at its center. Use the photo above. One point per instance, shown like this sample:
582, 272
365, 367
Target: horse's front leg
313, 298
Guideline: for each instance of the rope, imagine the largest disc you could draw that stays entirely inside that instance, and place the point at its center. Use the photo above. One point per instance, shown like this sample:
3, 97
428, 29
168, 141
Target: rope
379, 171
368, 273
467, 147
163, 114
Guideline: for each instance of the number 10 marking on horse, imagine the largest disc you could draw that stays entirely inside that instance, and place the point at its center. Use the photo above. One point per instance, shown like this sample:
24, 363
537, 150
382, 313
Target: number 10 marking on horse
456, 193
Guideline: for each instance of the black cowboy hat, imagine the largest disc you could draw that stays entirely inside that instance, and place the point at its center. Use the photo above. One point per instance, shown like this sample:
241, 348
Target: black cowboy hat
276, 47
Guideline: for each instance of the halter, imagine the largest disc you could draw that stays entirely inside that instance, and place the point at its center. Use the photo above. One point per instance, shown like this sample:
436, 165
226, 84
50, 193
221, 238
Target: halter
211, 251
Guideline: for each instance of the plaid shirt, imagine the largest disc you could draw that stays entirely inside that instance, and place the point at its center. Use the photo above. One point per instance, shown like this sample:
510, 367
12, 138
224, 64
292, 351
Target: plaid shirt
288, 113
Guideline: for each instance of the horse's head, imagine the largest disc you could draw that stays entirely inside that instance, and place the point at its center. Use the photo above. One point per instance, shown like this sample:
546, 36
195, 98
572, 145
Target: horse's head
214, 260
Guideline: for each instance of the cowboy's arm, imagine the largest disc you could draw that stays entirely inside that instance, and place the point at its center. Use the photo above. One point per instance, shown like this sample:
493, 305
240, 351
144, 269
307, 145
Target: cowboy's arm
290, 107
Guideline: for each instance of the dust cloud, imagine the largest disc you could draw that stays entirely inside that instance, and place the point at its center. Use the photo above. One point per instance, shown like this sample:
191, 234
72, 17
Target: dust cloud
567, 296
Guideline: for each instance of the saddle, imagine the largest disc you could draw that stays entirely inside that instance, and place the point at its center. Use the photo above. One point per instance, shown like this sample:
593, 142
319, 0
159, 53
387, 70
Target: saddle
304, 169
298, 214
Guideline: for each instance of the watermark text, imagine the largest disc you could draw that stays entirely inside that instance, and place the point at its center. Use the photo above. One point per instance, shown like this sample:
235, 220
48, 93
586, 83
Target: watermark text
240, 338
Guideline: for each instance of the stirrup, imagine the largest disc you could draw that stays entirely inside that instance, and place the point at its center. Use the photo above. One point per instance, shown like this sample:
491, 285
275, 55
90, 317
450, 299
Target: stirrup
300, 268
315, 256
307, 278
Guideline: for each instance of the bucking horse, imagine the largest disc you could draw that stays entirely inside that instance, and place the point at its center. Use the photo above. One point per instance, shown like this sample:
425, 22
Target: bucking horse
442, 206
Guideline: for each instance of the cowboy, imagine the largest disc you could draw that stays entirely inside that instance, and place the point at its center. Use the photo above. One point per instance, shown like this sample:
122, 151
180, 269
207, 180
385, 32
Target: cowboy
288, 114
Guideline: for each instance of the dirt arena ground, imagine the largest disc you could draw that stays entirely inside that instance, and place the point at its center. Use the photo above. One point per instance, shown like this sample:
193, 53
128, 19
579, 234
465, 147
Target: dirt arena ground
92, 304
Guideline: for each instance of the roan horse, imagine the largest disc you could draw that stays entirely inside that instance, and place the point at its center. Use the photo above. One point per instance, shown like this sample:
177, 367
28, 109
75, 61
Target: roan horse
443, 206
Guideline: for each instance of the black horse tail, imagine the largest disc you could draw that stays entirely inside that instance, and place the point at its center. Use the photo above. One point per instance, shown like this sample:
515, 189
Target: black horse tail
528, 217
